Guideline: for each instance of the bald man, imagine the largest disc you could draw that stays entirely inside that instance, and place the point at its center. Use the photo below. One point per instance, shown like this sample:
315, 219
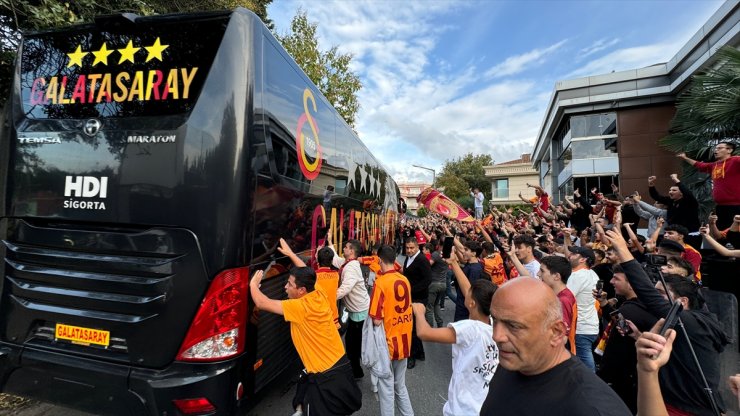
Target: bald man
536, 374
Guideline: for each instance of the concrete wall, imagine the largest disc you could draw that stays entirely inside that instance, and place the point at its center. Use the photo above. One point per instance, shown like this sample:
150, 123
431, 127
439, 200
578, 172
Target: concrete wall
517, 184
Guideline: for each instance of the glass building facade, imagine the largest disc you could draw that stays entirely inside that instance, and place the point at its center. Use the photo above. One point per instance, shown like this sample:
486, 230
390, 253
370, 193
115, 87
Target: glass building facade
586, 152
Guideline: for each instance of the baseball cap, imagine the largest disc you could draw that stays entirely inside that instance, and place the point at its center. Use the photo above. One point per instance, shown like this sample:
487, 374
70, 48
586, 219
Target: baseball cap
671, 245
585, 252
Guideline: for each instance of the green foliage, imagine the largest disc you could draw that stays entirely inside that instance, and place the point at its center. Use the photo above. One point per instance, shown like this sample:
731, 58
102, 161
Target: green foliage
465, 201
708, 112
463, 173
329, 70
421, 212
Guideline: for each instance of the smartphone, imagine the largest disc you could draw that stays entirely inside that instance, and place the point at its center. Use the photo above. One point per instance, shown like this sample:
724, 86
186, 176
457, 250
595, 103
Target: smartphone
447, 247
599, 287
622, 324
672, 318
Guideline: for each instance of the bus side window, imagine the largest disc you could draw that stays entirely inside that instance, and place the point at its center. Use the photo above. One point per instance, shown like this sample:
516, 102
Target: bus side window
286, 160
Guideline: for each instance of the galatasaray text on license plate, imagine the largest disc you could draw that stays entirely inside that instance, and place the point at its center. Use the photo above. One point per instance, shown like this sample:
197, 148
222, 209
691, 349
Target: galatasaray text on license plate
80, 335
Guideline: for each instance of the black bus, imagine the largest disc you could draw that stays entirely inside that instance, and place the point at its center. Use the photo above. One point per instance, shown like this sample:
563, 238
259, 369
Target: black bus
149, 165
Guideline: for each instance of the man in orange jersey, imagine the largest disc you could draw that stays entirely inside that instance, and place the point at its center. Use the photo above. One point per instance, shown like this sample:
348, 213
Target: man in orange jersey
318, 344
373, 263
493, 263
326, 277
390, 305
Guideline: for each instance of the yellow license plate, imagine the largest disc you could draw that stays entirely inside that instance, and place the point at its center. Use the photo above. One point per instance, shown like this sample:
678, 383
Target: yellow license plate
82, 336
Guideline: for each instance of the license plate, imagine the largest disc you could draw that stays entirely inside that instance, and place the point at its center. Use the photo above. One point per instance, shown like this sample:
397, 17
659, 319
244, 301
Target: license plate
82, 336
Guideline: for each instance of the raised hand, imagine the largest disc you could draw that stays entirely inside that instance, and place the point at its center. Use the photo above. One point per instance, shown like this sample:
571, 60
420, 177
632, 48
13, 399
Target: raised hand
284, 248
651, 180
653, 350
660, 221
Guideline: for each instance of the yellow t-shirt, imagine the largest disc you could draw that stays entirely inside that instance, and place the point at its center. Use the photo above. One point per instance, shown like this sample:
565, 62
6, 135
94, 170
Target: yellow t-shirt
391, 302
313, 332
328, 280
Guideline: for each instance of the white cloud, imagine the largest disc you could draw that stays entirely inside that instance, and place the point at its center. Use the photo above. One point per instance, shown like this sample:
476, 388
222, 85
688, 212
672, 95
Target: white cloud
413, 115
424, 106
598, 46
628, 58
519, 63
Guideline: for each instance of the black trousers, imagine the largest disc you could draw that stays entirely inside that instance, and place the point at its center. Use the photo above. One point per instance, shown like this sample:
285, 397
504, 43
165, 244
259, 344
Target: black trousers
333, 392
417, 347
353, 339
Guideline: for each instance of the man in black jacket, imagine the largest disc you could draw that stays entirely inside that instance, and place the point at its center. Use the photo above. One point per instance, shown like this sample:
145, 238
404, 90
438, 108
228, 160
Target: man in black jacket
682, 388
683, 208
418, 271
581, 209
618, 364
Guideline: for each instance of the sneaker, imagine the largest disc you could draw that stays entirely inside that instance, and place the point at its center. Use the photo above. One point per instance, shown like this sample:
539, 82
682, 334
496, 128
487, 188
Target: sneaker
441, 308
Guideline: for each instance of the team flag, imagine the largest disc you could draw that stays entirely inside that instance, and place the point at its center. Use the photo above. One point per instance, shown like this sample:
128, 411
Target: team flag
438, 202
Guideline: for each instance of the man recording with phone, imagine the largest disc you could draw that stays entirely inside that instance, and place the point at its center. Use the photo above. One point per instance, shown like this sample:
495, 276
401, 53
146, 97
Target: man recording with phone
684, 390
618, 363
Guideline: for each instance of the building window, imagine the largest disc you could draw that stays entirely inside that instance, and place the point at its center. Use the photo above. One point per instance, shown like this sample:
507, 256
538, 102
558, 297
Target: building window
593, 125
587, 149
584, 185
501, 188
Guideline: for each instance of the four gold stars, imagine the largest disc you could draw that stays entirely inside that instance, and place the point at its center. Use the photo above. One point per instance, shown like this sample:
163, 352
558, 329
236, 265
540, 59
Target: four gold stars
75, 58
155, 51
101, 55
127, 53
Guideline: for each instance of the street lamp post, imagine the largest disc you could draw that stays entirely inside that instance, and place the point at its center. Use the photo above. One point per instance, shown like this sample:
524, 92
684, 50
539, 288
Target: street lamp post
434, 173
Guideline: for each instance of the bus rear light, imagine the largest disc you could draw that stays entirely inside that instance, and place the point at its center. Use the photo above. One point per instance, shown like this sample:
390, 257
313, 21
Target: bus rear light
218, 330
199, 406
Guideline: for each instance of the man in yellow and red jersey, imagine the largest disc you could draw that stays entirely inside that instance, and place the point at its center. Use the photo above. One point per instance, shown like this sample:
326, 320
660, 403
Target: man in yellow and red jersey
326, 277
390, 304
372, 261
493, 264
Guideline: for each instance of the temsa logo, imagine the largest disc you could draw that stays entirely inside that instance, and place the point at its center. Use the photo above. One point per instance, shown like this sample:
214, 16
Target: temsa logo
86, 186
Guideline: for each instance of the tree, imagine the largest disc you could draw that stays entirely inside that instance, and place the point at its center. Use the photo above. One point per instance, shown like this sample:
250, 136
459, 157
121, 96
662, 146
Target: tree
329, 70
706, 113
16, 16
463, 173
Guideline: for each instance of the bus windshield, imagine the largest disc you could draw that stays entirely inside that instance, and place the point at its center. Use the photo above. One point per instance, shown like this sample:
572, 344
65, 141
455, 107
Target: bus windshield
142, 70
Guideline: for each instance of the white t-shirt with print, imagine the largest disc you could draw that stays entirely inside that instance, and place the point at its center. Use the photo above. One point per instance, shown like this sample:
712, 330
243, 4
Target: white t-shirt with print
474, 360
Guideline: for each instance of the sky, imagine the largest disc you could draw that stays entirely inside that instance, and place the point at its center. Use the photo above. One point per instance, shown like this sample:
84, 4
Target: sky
445, 78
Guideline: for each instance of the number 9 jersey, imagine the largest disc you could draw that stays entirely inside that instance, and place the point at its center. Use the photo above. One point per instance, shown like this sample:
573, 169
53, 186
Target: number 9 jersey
391, 302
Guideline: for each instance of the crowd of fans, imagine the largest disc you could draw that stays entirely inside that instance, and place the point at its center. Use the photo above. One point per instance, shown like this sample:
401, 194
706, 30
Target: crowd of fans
557, 311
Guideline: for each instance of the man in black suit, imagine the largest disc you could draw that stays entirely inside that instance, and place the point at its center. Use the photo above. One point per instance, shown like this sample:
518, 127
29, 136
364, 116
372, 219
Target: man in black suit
418, 271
